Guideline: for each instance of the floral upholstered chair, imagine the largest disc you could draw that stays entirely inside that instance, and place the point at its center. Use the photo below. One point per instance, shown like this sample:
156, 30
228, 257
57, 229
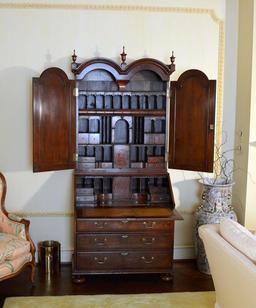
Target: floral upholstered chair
16, 247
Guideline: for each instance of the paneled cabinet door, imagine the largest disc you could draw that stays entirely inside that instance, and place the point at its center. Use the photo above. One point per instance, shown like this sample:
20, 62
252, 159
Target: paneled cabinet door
191, 144
54, 121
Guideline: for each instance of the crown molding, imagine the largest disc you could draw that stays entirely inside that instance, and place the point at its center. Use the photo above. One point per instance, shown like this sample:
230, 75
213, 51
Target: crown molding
107, 7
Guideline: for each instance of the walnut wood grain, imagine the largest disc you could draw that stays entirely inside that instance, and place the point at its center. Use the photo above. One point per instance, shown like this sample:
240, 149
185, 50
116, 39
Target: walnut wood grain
123, 261
161, 69
122, 172
191, 145
54, 114
128, 212
112, 241
123, 112
125, 225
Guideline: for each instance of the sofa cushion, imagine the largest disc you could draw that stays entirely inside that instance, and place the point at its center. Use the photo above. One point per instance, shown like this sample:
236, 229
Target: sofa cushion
239, 237
12, 247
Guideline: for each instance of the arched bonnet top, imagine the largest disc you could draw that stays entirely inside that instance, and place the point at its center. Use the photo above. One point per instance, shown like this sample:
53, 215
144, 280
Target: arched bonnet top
193, 73
156, 66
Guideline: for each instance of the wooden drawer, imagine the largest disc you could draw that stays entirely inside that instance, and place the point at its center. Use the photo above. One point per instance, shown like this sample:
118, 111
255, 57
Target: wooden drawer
126, 225
123, 261
96, 241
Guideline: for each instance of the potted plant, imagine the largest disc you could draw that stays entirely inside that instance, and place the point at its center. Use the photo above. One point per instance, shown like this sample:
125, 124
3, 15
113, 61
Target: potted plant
216, 200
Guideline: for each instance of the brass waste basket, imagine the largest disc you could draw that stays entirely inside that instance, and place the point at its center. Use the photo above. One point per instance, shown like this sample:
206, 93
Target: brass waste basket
49, 256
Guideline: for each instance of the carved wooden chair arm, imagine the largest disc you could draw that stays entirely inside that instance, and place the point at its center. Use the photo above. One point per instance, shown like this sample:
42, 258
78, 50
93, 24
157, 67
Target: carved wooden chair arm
14, 217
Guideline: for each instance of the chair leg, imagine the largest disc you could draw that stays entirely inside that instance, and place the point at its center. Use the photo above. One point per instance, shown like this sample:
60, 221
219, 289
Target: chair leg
33, 269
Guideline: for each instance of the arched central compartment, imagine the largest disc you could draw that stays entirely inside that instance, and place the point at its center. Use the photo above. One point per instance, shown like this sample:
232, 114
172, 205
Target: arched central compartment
121, 132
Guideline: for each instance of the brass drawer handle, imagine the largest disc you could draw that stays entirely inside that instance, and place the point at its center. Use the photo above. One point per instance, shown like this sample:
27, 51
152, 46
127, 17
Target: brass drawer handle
100, 243
125, 221
100, 225
148, 241
149, 260
124, 253
149, 225
124, 236
100, 261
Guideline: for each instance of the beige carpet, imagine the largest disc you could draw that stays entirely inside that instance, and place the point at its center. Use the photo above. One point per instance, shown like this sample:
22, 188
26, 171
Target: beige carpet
152, 300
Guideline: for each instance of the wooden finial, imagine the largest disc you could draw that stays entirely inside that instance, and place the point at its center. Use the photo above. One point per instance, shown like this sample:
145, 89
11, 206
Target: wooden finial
123, 58
172, 65
74, 65
74, 56
172, 58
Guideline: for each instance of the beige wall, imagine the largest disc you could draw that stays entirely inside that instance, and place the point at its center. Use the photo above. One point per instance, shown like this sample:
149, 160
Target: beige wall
33, 39
245, 177
250, 214
230, 72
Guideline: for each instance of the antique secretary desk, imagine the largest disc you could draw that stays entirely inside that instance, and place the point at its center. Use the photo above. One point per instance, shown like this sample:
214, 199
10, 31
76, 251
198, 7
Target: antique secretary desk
118, 127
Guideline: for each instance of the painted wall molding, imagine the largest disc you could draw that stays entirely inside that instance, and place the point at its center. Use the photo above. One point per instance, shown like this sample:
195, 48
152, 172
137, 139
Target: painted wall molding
43, 214
108, 7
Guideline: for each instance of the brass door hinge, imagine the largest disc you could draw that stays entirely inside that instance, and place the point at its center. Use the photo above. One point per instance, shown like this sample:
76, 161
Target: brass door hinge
75, 92
168, 91
75, 157
211, 126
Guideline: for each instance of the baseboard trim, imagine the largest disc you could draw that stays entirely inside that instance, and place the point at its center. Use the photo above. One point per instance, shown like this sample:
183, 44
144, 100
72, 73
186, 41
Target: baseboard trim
184, 252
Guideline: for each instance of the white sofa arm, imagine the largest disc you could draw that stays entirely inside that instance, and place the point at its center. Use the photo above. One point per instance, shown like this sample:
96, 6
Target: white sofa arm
234, 275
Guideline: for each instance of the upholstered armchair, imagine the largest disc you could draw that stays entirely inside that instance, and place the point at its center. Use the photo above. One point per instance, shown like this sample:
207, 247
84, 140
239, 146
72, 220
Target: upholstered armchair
17, 250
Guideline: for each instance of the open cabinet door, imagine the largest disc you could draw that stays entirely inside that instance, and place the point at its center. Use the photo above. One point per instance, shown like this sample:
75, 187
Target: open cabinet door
192, 115
54, 121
